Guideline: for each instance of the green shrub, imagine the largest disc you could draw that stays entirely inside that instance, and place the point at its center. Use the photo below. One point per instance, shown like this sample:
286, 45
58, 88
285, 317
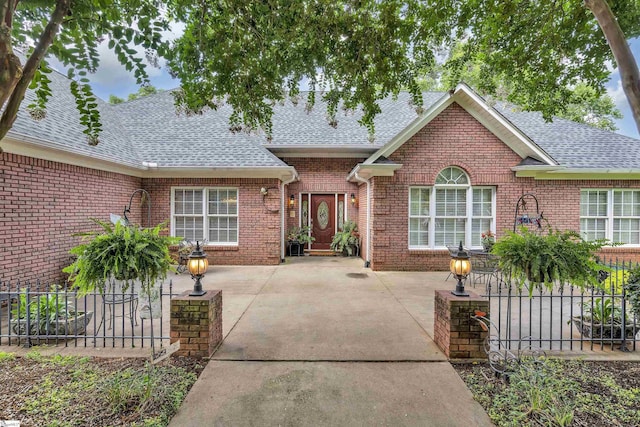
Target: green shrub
632, 290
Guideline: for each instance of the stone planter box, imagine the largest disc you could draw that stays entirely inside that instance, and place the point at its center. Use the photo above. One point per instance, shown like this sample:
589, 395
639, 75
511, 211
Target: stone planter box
598, 331
76, 325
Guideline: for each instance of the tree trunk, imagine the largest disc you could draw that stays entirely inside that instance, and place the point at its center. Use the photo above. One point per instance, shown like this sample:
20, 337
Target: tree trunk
13, 90
10, 66
621, 52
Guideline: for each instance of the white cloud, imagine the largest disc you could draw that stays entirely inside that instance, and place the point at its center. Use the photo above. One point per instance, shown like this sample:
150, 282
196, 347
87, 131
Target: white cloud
617, 94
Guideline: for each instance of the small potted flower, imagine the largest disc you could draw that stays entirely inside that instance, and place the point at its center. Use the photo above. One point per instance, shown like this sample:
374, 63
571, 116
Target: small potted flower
487, 239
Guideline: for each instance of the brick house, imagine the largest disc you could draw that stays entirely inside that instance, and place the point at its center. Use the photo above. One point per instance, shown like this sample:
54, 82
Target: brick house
425, 182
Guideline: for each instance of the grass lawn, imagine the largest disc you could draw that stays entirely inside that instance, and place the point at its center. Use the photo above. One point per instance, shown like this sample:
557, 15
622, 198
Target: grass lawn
84, 391
558, 392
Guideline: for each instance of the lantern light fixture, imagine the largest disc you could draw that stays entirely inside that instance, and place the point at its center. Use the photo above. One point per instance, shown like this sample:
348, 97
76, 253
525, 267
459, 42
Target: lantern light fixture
460, 267
197, 266
292, 201
353, 199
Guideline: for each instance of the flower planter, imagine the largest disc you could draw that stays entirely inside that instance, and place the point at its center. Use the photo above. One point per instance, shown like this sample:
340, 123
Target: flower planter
76, 325
598, 331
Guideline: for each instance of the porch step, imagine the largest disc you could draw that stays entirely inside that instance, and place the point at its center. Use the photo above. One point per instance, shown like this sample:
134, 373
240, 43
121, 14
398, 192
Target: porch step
321, 252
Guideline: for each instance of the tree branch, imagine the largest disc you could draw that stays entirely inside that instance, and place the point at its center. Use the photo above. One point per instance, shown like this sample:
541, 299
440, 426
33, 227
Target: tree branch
629, 75
17, 95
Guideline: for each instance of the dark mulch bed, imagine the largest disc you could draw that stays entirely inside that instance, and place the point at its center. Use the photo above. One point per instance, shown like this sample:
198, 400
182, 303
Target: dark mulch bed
559, 392
82, 391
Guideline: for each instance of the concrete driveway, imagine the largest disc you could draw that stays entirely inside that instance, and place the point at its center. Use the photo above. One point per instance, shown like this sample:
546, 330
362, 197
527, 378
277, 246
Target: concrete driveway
324, 342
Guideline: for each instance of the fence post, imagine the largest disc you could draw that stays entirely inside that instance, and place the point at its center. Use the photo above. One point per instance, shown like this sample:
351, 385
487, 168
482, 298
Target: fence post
455, 332
196, 322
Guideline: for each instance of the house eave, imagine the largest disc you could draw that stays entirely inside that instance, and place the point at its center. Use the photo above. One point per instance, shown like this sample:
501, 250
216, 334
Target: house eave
367, 171
46, 150
324, 151
283, 173
24, 145
566, 173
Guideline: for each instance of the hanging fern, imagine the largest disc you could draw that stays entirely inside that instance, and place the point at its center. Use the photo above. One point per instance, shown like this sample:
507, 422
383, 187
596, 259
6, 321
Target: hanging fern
121, 252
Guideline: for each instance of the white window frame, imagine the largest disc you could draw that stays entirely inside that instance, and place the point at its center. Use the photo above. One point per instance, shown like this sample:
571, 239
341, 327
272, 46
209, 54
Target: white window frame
205, 213
610, 218
432, 213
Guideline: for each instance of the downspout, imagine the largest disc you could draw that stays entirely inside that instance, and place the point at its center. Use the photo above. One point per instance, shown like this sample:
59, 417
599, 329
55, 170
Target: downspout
367, 262
294, 177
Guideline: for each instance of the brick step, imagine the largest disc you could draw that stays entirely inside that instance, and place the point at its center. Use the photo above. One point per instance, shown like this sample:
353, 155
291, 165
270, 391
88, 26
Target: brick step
320, 252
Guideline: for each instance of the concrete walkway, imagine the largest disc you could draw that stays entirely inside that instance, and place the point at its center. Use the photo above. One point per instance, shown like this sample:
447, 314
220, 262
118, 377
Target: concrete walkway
325, 342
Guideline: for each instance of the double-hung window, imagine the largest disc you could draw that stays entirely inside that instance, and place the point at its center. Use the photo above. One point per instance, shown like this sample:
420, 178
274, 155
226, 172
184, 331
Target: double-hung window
449, 212
610, 214
209, 214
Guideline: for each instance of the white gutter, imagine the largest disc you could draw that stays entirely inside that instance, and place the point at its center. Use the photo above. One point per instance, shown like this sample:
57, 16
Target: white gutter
367, 262
294, 177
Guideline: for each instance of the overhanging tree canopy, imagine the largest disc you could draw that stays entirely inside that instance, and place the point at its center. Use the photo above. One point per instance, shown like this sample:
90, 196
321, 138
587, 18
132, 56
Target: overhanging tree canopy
71, 30
255, 54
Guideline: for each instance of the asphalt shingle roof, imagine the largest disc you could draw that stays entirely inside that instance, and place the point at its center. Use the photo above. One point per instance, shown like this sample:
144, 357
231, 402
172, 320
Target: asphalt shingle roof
61, 126
149, 130
162, 136
576, 145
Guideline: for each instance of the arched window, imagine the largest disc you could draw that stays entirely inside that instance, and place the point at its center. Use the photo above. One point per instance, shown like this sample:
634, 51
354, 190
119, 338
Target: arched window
450, 212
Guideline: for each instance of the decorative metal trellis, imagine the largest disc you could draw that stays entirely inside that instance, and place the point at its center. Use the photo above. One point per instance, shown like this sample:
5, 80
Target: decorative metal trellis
528, 213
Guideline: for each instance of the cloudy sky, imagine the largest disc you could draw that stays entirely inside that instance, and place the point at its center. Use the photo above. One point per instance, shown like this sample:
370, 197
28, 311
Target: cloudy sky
113, 79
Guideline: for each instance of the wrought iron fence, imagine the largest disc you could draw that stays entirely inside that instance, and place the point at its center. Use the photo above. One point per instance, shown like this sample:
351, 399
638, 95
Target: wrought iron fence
566, 317
116, 316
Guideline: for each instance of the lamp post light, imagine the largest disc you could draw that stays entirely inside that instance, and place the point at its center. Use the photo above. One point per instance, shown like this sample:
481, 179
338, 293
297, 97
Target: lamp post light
460, 267
197, 266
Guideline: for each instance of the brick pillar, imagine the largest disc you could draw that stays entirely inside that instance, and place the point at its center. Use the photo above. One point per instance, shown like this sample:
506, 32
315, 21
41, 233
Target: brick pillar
455, 332
196, 322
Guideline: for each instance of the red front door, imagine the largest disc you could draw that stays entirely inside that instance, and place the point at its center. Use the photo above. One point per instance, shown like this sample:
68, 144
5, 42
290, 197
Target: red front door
323, 222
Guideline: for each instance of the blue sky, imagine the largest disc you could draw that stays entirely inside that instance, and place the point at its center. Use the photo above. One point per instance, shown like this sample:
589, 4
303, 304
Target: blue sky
112, 78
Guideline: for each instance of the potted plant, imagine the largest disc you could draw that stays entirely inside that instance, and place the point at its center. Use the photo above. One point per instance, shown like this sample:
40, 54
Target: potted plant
487, 239
545, 258
48, 314
602, 318
297, 238
122, 252
346, 241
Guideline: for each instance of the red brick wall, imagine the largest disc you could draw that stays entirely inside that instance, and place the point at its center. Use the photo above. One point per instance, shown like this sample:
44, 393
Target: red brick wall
258, 218
42, 203
455, 138
324, 175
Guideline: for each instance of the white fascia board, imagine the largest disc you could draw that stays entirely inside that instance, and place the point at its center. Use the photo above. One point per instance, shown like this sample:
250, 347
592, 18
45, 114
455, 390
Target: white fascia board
366, 171
31, 147
281, 173
23, 145
580, 174
537, 168
411, 129
478, 102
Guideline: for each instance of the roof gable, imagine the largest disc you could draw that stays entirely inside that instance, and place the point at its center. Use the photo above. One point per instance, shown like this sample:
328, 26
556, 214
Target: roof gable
481, 111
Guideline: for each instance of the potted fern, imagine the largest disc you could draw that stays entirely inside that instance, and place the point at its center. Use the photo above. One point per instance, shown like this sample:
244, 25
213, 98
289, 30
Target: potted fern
346, 241
121, 252
548, 258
